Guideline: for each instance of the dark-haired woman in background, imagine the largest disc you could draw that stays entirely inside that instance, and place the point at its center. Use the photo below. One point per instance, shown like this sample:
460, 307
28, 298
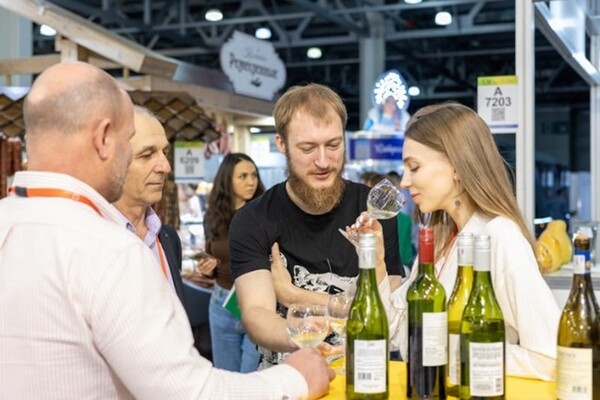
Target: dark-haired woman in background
236, 182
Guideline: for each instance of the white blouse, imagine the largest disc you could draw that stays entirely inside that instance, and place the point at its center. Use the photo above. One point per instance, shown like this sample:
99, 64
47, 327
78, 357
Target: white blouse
531, 314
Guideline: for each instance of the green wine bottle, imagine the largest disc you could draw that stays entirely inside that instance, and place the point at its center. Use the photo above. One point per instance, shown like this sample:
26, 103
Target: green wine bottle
427, 327
578, 355
482, 334
367, 332
456, 305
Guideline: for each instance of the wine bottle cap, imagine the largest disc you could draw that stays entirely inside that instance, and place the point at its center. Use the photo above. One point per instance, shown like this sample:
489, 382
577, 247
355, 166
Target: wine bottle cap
466, 239
482, 253
465, 248
366, 240
426, 245
426, 235
579, 264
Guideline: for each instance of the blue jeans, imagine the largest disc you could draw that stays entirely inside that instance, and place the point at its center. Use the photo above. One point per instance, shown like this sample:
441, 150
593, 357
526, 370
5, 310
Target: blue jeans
231, 347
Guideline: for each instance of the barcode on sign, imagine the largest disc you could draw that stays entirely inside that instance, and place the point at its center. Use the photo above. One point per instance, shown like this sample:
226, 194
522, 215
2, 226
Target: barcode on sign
189, 169
498, 113
364, 376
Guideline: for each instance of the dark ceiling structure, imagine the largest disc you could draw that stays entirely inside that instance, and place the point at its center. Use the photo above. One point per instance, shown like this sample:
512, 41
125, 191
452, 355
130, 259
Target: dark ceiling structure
443, 61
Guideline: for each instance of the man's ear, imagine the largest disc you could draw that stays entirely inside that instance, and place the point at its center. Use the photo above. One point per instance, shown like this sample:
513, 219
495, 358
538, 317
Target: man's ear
280, 143
103, 138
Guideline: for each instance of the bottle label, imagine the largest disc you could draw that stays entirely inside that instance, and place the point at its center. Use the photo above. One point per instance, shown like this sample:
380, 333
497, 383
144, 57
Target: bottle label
574, 373
486, 369
435, 339
454, 359
370, 366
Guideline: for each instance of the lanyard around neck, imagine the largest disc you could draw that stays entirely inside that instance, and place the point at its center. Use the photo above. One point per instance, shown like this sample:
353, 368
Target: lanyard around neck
51, 192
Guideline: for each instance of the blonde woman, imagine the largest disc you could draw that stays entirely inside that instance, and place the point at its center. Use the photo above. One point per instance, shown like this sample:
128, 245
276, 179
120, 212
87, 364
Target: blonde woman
459, 182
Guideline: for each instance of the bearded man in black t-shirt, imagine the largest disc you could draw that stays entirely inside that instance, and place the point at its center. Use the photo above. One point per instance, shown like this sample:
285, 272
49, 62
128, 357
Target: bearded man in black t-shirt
295, 223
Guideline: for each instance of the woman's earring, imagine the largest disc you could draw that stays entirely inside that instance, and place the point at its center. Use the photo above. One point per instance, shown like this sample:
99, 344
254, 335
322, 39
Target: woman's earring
457, 203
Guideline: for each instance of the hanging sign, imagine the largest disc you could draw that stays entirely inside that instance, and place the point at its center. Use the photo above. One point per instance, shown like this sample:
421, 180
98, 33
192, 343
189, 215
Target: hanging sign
252, 66
189, 161
497, 102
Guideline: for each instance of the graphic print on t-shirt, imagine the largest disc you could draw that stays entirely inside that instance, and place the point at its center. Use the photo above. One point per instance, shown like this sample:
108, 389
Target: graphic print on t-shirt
327, 282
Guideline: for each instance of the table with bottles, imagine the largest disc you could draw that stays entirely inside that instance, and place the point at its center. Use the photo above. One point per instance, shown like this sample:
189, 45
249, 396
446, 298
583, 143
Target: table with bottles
516, 388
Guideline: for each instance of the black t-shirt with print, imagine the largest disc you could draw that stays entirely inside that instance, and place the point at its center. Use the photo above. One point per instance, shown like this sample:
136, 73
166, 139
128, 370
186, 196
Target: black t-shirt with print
314, 251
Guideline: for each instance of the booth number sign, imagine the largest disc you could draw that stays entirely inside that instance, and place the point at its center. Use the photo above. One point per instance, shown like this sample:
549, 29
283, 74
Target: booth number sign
497, 102
189, 161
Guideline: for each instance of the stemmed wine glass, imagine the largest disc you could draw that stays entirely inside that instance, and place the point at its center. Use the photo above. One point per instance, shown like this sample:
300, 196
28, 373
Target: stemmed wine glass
307, 324
339, 308
385, 200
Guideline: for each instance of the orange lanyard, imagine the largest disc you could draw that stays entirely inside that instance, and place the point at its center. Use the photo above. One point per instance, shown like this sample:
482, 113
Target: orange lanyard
48, 192
163, 264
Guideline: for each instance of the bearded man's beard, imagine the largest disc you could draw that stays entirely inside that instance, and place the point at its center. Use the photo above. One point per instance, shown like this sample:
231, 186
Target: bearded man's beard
320, 200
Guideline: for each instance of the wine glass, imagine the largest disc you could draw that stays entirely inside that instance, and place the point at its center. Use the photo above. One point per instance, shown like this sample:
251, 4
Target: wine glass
307, 324
384, 201
339, 308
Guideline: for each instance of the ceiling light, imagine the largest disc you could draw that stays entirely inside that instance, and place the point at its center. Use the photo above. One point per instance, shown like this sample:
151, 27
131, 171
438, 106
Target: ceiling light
414, 91
263, 33
213, 15
412, 1
46, 30
254, 129
314, 52
443, 18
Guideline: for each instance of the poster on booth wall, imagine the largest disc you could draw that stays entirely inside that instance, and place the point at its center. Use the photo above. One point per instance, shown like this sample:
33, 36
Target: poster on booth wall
497, 102
188, 158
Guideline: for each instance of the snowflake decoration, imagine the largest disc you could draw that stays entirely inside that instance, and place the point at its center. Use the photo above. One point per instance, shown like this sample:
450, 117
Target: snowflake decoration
391, 84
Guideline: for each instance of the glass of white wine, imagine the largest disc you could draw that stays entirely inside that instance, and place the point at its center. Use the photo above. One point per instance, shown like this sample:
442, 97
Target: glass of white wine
338, 308
385, 200
307, 324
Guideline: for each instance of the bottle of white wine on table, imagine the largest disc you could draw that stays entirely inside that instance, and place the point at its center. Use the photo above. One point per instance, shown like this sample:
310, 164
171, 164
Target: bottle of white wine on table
482, 334
367, 332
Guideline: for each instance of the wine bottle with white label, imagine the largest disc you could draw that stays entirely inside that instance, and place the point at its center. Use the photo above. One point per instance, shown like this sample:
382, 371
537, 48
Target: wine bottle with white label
482, 333
427, 327
367, 332
456, 305
578, 355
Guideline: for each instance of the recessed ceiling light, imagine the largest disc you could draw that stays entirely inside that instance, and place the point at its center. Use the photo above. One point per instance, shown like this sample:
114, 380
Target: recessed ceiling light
213, 15
443, 18
314, 52
412, 1
414, 91
46, 30
263, 33
254, 129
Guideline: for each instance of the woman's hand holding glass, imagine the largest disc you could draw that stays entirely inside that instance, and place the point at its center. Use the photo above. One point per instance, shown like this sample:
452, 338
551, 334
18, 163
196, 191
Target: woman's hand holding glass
385, 200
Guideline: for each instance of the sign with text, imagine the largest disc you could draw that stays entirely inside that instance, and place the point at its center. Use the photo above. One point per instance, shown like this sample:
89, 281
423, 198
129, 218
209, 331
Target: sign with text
389, 148
252, 66
497, 102
189, 161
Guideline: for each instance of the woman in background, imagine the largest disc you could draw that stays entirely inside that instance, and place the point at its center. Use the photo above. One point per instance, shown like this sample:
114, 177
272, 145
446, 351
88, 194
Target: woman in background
236, 182
459, 182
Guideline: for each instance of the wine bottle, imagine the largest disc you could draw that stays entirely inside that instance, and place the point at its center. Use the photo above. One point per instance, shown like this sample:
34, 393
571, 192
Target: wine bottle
578, 355
456, 305
427, 327
482, 334
367, 332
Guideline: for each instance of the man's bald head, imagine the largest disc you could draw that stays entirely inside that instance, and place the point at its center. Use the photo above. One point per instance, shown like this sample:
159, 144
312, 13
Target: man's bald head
65, 97
78, 121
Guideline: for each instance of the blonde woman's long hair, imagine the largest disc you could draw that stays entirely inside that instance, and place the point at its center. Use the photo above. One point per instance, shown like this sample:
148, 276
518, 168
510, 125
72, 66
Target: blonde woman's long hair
459, 133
